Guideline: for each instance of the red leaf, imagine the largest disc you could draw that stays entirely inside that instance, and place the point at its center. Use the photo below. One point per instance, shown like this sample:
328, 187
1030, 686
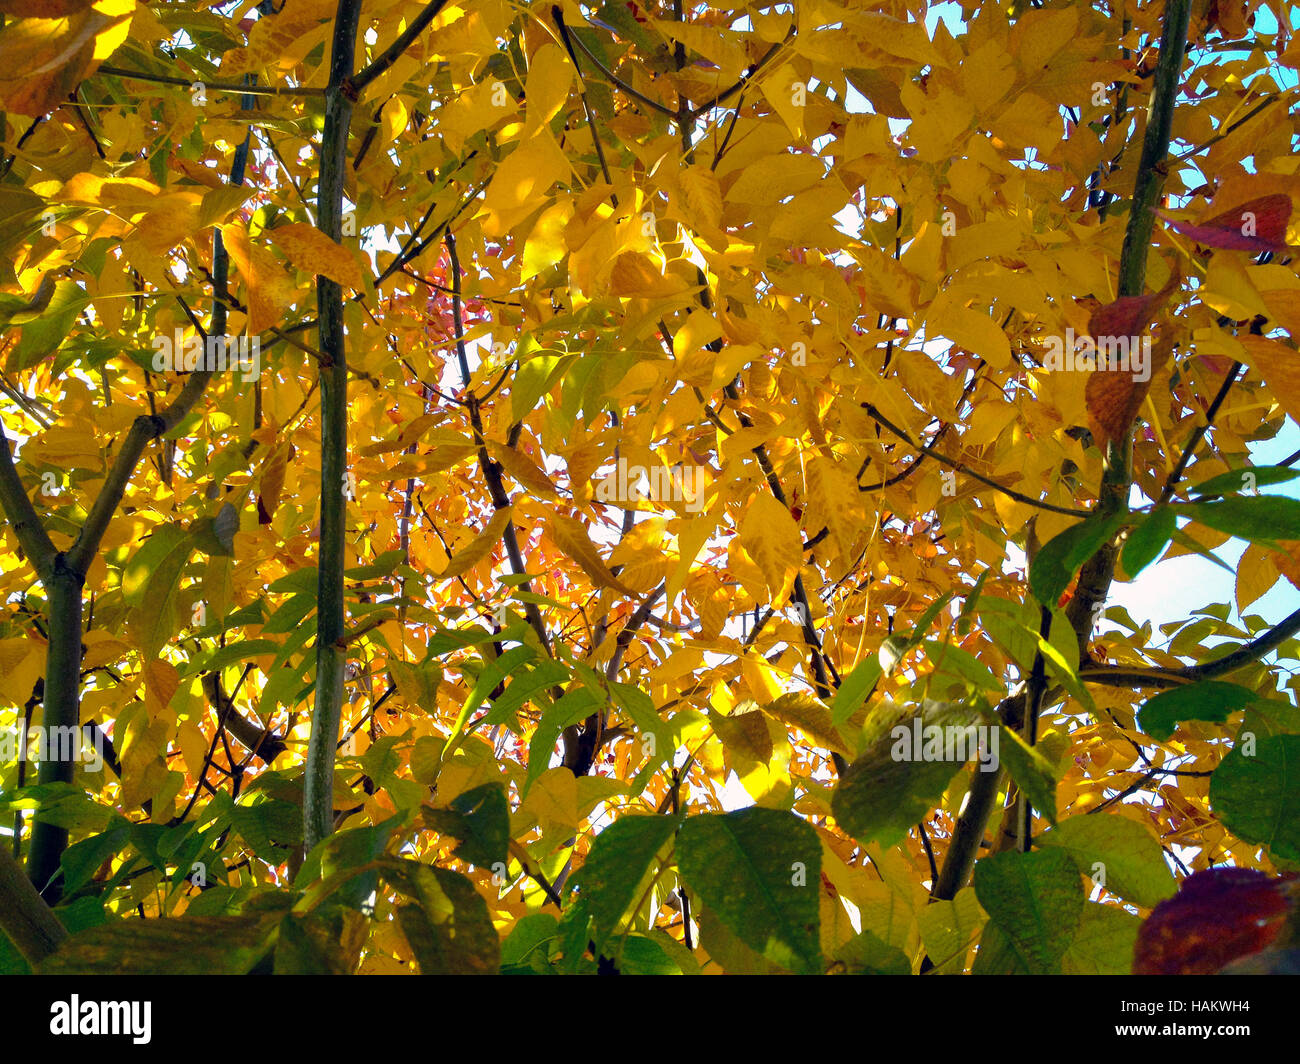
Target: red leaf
1259, 225
1217, 916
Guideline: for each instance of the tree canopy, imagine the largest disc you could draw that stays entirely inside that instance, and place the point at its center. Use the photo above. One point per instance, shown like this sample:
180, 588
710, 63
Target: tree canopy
639, 486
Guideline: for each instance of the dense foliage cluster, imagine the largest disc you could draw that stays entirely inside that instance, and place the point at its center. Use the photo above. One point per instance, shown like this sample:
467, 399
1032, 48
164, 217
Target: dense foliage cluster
529, 487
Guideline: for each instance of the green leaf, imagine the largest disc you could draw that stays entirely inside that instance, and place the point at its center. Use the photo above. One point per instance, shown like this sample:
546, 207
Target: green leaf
644, 955
522, 689
448, 927
154, 615
1130, 858
344, 850
1258, 798
952, 661
620, 18
1259, 518
45, 331
1061, 556
1036, 901
891, 786
866, 954
1184, 540
760, 871
618, 862
572, 707
1147, 540
997, 954
1210, 700
82, 859
727, 950
493, 673
972, 599
947, 929
480, 818
216, 535
224, 656
641, 709
1246, 479
418, 684
318, 943
1103, 942
189, 945
527, 947
533, 379
269, 827
1032, 772
138, 573
855, 688
290, 613
62, 804
300, 580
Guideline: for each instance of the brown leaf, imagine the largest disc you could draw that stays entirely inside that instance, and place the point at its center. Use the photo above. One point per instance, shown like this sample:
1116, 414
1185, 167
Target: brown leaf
1258, 225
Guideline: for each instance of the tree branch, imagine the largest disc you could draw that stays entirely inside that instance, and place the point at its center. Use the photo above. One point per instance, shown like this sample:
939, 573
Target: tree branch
394, 51
28, 922
961, 467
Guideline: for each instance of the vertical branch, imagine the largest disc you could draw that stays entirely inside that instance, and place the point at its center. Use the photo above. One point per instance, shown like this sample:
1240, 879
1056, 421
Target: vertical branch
1097, 573
331, 652
64, 574
62, 711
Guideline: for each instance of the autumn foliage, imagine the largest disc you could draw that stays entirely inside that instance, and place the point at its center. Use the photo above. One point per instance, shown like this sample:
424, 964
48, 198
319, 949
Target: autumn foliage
558, 488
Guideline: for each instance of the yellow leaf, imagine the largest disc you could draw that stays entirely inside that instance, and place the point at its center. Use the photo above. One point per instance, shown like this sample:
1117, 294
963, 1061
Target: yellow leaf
523, 469
268, 288
553, 799
480, 546
1256, 575
699, 329
771, 538
160, 683
787, 93
703, 196
691, 537
22, 663
42, 60
810, 716
1280, 368
549, 76
636, 274
984, 240
545, 245
571, 537
834, 499
312, 251
194, 747
970, 329
522, 181
763, 683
